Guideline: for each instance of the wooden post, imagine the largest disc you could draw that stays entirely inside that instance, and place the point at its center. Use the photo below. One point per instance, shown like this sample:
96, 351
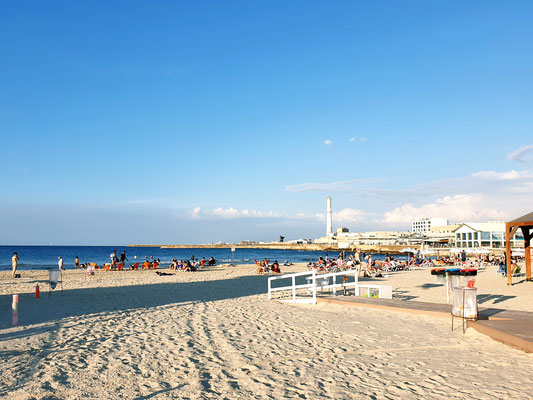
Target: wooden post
527, 248
509, 233
508, 253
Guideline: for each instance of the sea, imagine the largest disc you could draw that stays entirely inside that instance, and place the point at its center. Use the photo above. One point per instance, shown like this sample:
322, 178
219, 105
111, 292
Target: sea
46, 257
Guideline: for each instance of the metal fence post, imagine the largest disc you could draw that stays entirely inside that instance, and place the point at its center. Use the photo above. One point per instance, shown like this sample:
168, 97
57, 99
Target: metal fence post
313, 278
294, 289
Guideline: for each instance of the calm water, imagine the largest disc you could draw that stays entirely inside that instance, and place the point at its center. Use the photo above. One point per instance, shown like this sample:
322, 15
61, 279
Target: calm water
42, 257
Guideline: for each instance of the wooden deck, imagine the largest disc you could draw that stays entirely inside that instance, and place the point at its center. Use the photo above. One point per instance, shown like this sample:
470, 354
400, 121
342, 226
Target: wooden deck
514, 328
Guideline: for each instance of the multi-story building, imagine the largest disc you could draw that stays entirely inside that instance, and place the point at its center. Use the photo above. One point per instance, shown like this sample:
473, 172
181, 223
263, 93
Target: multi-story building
488, 234
424, 225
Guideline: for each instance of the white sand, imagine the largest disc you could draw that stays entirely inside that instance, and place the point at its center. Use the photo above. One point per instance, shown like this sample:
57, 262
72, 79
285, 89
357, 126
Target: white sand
215, 335
492, 289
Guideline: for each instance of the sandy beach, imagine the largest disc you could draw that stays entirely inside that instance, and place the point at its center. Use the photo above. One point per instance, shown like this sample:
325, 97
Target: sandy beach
213, 334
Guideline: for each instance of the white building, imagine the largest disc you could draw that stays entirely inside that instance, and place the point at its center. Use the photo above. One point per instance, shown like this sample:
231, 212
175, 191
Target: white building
424, 225
488, 234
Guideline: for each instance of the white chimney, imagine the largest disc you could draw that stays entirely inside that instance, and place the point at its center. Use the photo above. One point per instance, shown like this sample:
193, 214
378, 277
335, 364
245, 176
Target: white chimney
329, 218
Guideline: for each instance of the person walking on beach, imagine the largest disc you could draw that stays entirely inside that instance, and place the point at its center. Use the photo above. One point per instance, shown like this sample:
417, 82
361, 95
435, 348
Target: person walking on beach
14, 263
77, 262
357, 257
60, 263
463, 256
113, 257
123, 258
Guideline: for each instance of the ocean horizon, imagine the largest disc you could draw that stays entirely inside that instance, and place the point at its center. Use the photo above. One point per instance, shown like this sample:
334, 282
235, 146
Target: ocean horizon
35, 257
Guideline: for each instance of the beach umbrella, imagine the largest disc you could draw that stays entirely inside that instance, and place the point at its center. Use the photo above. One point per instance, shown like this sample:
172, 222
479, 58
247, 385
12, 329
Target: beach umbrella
407, 250
427, 252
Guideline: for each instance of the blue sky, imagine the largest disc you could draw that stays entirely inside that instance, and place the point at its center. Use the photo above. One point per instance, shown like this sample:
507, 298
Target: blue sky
194, 122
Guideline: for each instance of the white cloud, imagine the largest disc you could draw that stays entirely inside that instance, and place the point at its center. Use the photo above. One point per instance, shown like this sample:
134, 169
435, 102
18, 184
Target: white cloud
196, 213
493, 175
461, 207
352, 140
328, 142
230, 213
521, 155
349, 215
332, 186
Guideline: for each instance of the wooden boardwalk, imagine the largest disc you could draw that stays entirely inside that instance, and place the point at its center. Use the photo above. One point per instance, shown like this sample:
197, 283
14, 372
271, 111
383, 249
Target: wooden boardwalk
514, 328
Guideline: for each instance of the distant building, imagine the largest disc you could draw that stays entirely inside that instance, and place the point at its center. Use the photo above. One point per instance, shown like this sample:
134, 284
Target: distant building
343, 237
424, 225
300, 241
488, 234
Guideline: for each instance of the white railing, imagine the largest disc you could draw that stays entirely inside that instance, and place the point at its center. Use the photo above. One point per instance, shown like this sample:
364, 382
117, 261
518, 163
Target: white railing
314, 281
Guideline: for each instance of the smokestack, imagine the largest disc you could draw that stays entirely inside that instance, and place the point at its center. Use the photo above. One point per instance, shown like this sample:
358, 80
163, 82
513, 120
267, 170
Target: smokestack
329, 218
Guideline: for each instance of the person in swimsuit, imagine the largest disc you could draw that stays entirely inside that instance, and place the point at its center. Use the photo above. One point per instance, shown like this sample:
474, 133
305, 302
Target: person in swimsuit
14, 263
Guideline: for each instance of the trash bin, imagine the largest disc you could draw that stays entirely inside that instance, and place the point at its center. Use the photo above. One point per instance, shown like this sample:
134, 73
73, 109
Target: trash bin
455, 281
465, 302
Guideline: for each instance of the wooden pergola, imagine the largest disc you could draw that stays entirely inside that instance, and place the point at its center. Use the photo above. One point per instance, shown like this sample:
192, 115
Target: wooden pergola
525, 223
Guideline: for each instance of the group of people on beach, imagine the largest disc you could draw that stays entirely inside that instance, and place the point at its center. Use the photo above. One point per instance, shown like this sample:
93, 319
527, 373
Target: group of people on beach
264, 266
366, 265
193, 265
119, 262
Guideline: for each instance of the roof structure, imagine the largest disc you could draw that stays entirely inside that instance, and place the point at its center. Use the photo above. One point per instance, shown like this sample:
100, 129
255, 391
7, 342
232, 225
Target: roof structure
523, 218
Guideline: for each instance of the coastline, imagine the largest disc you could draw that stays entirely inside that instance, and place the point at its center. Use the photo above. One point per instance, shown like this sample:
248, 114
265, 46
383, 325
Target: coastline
374, 249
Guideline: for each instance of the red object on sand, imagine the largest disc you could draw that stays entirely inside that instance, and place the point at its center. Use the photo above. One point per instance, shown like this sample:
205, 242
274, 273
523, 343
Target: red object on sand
37, 293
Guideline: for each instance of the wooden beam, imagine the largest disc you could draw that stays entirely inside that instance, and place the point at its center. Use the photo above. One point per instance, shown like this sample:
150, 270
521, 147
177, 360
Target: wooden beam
509, 233
527, 248
525, 223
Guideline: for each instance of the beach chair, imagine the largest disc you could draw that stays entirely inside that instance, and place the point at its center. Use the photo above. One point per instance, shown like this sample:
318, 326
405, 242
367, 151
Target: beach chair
120, 266
134, 266
54, 278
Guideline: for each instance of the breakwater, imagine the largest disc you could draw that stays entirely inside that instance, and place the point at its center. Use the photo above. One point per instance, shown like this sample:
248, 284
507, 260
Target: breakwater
374, 249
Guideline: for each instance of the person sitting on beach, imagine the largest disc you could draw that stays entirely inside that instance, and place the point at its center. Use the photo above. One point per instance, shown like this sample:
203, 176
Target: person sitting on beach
90, 269
287, 263
275, 267
147, 265
155, 264
174, 264
211, 261
515, 268
260, 269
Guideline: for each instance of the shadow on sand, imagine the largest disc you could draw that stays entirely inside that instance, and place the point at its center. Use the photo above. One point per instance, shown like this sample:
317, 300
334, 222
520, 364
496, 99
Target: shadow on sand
77, 302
